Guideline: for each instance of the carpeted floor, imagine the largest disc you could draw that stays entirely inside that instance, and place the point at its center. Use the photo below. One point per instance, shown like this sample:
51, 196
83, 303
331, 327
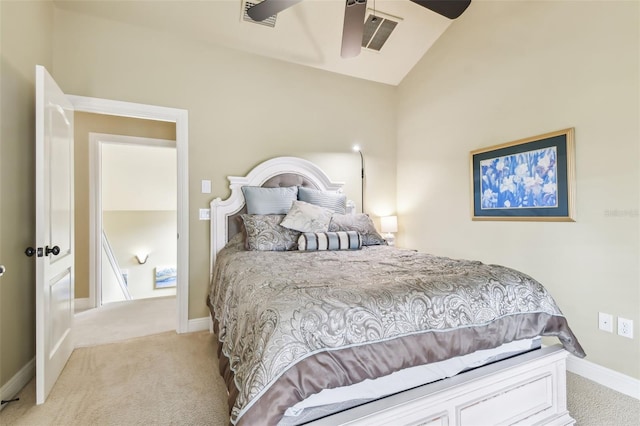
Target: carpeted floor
120, 321
165, 379
171, 379
594, 405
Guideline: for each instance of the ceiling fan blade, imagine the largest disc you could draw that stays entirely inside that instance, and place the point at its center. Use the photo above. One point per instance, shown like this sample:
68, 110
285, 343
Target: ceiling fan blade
448, 8
267, 8
353, 27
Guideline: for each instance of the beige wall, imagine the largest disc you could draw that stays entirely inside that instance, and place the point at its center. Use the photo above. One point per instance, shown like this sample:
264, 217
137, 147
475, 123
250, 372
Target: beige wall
26, 30
510, 70
86, 123
243, 109
152, 232
139, 177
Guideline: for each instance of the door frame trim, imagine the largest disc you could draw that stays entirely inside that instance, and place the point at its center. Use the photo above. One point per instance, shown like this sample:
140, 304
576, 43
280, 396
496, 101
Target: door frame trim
96, 142
181, 118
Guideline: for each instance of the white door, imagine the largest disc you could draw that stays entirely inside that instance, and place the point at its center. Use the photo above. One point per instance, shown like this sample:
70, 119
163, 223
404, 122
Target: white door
54, 232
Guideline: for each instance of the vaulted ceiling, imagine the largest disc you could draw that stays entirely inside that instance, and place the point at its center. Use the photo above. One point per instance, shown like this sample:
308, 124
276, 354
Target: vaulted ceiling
308, 33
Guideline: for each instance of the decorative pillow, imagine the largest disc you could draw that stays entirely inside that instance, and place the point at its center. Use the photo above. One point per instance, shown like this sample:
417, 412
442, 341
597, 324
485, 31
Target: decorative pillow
238, 239
361, 223
332, 200
305, 217
243, 231
343, 240
264, 201
264, 233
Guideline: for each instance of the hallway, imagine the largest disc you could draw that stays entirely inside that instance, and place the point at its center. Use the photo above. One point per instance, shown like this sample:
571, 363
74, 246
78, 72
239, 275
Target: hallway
120, 321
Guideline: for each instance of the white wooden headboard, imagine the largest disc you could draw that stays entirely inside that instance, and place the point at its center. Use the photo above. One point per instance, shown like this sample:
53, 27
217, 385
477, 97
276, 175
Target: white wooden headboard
222, 210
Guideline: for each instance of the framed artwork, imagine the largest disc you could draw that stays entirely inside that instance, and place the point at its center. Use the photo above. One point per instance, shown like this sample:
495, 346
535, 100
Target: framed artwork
528, 179
165, 277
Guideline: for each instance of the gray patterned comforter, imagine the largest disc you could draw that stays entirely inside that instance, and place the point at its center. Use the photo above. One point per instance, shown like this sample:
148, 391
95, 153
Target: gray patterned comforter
293, 323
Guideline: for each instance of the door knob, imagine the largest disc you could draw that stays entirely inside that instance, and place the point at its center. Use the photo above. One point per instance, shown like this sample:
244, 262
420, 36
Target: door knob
2, 270
55, 250
30, 251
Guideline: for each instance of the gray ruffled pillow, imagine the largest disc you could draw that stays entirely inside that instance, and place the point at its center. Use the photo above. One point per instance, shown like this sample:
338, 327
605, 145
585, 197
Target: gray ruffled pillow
264, 233
361, 223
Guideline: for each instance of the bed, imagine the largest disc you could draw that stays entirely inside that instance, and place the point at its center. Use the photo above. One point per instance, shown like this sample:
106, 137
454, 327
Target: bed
352, 331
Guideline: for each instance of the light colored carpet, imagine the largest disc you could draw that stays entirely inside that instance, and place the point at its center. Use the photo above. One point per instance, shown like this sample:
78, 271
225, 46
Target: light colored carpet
120, 321
166, 379
171, 379
594, 405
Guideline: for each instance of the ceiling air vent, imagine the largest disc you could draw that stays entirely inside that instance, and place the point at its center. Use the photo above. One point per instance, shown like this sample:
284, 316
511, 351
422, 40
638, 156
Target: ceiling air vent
377, 29
269, 22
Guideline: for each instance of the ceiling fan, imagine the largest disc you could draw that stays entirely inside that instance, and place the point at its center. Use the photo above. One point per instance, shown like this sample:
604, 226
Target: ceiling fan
354, 13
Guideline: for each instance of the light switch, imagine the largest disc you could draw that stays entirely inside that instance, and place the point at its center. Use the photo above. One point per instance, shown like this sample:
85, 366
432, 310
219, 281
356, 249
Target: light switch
205, 214
206, 187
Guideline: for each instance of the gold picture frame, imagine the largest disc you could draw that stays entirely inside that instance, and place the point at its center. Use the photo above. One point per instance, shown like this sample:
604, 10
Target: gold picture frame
531, 179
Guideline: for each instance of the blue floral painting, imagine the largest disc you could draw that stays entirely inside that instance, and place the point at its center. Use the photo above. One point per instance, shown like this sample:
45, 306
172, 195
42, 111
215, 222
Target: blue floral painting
528, 179
523, 180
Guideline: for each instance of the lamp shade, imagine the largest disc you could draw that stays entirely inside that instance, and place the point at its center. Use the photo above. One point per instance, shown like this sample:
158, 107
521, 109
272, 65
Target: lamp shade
389, 224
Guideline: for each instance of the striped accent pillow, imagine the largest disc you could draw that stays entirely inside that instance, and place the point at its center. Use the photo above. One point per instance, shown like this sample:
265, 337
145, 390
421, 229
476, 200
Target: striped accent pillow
342, 240
332, 200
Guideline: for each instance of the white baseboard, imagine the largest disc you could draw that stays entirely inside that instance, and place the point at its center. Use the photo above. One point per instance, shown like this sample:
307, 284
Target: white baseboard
198, 324
604, 376
17, 382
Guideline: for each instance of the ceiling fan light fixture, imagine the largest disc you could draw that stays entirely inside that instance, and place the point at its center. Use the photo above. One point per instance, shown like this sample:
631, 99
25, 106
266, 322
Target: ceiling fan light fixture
357, 32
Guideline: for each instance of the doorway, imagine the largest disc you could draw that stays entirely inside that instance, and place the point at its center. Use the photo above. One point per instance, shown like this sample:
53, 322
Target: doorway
134, 188
179, 119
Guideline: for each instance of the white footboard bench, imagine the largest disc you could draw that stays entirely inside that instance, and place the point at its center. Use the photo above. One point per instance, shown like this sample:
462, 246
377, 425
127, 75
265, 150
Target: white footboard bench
527, 389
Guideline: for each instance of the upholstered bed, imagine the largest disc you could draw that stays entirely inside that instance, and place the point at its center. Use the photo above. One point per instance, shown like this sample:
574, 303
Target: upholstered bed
315, 315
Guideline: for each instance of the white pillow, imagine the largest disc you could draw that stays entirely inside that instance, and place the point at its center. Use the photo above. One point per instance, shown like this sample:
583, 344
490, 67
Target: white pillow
305, 217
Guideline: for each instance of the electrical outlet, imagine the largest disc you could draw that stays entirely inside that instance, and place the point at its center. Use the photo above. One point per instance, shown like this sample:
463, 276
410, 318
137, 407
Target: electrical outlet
625, 327
605, 322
